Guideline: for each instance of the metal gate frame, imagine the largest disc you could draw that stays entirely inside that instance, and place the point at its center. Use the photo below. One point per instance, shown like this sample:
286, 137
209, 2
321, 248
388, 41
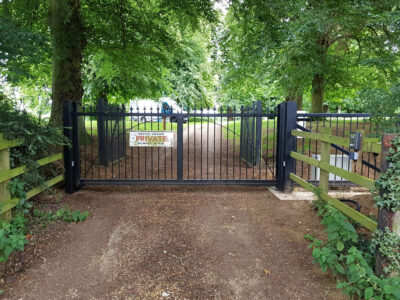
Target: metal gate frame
283, 164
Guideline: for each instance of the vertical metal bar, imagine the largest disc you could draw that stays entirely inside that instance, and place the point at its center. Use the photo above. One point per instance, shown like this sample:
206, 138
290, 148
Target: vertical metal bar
179, 156
258, 133
131, 110
138, 148
69, 163
208, 135
165, 149
151, 148
124, 154
194, 144
336, 151
158, 148
266, 157
91, 148
227, 143
118, 148
201, 143
234, 135
171, 168
362, 153
84, 139
75, 132
220, 148
188, 145
215, 124
98, 153
309, 149
273, 147
287, 120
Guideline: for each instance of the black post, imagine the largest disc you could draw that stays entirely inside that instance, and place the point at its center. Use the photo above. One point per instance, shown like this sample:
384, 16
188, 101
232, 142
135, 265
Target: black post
287, 120
258, 132
68, 150
102, 132
179, 152
75, 145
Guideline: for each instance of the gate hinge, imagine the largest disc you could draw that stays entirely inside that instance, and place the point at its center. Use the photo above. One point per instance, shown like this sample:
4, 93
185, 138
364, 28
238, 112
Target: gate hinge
284, 163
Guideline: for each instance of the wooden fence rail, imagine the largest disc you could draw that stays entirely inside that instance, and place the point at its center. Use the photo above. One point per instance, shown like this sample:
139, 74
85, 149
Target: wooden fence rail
326, 139
6, 174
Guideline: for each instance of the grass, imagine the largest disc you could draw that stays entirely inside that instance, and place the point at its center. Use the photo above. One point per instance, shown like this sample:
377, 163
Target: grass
91, 126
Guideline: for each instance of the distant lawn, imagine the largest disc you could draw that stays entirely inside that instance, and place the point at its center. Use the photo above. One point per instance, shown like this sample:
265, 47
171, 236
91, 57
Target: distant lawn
91, 126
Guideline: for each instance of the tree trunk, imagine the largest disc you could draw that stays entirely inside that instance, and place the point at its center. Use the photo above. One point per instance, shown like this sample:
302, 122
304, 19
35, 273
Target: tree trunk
298, 99
317, 94
68, 42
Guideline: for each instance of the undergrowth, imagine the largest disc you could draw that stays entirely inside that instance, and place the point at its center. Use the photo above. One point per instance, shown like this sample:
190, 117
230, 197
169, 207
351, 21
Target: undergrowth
39, 141
351, 256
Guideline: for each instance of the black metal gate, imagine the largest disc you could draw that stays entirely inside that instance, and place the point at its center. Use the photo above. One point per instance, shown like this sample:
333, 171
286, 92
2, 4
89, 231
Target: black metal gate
224, 146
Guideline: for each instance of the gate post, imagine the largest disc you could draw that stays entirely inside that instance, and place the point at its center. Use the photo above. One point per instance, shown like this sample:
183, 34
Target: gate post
69, 149
179, 152
287, 120
258, 132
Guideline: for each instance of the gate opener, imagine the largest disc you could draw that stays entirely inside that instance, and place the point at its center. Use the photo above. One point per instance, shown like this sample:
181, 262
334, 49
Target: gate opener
355, 145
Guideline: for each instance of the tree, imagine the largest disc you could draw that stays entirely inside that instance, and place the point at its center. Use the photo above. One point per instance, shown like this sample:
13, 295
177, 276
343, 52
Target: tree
125, 47
315, 45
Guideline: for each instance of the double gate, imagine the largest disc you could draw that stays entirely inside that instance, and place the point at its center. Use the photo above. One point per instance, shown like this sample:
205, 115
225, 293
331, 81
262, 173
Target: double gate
112, 145
215, 146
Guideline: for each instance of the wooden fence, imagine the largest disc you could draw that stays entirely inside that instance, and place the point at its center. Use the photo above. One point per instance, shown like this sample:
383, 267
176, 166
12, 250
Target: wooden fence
326, 139
6, 174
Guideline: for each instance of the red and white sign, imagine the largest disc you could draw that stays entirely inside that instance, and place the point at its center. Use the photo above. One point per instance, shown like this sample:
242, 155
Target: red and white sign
151, 139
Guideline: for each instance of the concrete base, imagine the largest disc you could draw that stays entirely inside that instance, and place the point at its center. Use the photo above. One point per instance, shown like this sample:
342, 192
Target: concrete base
302, 194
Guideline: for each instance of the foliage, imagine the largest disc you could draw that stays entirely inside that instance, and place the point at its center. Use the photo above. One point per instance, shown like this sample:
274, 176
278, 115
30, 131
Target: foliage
12, 236
39, 141
13, 233
62, 214
269, 49
21, 46
388, 244
384, 105
352, 257
388, 183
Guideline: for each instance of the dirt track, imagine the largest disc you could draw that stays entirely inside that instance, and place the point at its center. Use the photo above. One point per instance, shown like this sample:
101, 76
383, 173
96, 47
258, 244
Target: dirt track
189, 242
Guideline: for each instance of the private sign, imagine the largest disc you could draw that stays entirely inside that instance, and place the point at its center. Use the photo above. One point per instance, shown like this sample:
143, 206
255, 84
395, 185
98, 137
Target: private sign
151, 139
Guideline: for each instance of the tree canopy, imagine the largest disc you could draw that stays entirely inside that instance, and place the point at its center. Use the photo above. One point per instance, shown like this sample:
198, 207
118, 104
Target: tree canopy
320, 54
331, 49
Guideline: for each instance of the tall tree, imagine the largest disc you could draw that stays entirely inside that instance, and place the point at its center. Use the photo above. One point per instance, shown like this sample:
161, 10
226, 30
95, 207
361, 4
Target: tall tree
313, 45
68, 41
123, 48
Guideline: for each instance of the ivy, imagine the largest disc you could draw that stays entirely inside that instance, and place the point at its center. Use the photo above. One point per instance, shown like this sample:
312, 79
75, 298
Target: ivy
388, 183
388, 244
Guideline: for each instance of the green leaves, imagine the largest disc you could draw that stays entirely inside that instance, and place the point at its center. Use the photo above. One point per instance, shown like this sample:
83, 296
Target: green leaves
269, 50
12, 237
388, 183
342, 255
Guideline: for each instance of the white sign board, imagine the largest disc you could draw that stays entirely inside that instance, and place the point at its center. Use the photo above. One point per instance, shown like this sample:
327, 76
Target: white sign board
151, 139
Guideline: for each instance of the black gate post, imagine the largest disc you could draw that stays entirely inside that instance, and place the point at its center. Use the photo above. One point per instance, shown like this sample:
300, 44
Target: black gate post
258, 132
287, 120
69, 163
179, 152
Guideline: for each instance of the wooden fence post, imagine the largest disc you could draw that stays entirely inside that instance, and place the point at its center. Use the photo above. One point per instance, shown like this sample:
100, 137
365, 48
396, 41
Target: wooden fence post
386, 217
4, 191
325, 157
